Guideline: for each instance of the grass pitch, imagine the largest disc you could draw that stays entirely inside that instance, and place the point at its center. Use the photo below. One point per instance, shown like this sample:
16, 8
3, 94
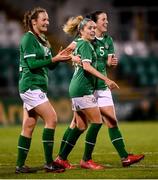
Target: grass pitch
140, 137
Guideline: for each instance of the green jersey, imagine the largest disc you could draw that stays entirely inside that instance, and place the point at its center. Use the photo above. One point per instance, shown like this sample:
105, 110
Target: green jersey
103, 47
34, 62
83, 82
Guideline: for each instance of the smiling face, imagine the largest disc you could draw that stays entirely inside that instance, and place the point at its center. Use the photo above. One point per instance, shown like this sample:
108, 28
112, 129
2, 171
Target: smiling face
88, 31
40, 25
102, 22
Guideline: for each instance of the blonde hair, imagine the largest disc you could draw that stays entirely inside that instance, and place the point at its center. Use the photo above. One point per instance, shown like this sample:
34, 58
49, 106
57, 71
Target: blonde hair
71, 26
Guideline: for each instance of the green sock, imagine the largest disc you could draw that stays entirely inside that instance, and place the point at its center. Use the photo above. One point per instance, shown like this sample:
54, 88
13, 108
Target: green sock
64, 139
90, 140
117, 141
72, 138
23, 149
48, 142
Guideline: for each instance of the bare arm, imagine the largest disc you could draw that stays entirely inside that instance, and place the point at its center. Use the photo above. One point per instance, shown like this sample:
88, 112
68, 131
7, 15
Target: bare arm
87, 67
63, 55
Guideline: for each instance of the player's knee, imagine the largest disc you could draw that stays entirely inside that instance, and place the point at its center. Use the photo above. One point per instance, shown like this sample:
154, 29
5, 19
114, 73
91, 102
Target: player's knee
51, 123
112, 122
28, 125
82, 126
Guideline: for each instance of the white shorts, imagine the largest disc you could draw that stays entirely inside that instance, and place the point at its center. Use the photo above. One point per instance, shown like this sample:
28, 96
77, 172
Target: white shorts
87, 101
104, 98
33, 98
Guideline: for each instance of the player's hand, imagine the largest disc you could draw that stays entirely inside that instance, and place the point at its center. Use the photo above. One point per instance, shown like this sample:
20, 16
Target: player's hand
67, 51
60, 57
111, 84
112, 61
76, 60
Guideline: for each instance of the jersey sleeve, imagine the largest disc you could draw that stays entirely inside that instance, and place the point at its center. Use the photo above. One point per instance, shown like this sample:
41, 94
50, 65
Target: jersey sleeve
29, 49
85, 52
33, 64
111, 46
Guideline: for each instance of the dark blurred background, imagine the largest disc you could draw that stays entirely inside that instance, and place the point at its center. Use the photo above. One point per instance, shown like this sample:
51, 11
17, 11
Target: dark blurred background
134, 28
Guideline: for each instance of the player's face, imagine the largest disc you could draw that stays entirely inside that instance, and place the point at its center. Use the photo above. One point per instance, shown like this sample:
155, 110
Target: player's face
41, 24
88, 32
102, 22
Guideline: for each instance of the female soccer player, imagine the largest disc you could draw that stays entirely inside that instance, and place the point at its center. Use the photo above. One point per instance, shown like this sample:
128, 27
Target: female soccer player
35, 59
103, 45
104, 48
82, 86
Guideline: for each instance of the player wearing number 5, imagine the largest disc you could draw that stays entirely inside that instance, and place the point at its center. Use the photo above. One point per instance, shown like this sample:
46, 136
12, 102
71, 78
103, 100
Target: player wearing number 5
104, 48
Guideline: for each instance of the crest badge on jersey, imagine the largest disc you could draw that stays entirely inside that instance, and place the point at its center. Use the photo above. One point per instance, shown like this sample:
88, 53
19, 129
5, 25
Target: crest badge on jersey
106, 46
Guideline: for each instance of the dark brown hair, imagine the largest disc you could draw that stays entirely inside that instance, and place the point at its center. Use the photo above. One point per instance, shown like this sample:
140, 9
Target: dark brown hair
94, 15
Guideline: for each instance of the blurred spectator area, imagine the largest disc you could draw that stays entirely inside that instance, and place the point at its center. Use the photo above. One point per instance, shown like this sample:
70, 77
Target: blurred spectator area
138, 71
10, 31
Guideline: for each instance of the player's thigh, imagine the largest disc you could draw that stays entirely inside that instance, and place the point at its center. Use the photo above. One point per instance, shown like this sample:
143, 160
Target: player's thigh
93, 114
46, 111
108, 112
29, 122
81, 120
